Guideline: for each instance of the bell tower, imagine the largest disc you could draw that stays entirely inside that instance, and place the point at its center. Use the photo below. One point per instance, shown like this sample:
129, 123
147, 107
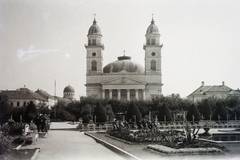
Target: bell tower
153, 70
94, 50
152, 50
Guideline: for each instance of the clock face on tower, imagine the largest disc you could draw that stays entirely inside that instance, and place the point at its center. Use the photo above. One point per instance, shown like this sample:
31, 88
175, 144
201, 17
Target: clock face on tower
93, 54
153, 53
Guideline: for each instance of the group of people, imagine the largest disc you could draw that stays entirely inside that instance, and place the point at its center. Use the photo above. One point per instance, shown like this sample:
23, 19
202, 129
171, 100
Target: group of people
43, 123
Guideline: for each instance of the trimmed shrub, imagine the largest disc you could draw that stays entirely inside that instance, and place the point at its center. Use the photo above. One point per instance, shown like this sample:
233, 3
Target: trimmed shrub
65, 115
220, 111
164, 112
5, 144
30, 112
193, 111
100, 114
86, 119
133, 113
12, 129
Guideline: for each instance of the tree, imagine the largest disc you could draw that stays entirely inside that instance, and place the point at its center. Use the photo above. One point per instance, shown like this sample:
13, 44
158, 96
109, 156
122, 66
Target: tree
86, 113
30, 112
5, 109
100, 114
164, 113
193, 114
220, 113
133, 113
109, 112
205, 108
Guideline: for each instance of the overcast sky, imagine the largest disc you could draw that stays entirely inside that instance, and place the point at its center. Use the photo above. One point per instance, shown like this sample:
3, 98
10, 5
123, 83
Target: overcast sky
41, 41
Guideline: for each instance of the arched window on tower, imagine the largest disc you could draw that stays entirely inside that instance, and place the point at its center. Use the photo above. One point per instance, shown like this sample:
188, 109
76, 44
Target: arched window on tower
148, 41
94, 65
94, 42
153, 42
153, 65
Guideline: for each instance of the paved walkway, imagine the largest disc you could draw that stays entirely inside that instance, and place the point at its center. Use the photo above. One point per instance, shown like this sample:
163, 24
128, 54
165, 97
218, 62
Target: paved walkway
70, 145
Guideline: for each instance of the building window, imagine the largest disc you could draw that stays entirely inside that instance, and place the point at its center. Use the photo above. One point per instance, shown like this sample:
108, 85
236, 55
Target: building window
114, 94
24, 103
153, 65
132, 94
18, 104
94, 65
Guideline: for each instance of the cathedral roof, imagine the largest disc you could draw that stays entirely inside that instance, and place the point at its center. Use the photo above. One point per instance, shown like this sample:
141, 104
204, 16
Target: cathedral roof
123, 64
152, 28
69, 89
94, 29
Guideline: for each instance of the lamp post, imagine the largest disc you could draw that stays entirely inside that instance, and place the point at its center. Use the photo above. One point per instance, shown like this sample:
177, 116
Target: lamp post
193, 118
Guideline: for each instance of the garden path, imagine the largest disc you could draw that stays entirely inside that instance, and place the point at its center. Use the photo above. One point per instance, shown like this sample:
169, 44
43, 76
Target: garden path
62, 143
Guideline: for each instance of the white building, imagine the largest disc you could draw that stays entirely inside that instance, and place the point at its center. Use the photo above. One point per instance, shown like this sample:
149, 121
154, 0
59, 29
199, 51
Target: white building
123, 78
21, 97
217, 91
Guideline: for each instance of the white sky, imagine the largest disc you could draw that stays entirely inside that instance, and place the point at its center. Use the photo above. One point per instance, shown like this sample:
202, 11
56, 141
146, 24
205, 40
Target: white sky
41, 41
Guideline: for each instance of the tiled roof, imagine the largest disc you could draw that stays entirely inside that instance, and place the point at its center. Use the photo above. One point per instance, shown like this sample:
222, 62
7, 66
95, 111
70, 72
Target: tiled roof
44, 94
218, 88
215, 88
22, 94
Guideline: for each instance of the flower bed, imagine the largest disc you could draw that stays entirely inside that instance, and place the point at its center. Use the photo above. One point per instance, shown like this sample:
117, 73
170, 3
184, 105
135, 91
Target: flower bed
168, 150
168, 141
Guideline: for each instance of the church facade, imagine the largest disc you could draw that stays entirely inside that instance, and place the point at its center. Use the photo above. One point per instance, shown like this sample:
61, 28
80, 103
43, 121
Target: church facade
123, 79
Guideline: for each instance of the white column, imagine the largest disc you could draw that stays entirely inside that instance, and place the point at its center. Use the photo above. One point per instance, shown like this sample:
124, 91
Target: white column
103, 93
144, 94
136, 93
110, 93
119, 94
128, 94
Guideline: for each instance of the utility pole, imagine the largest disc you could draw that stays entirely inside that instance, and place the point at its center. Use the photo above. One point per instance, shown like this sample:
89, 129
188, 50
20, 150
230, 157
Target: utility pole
55, 110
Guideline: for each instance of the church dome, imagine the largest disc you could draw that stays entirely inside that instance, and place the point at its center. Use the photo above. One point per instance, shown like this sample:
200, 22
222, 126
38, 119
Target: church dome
94, 29
123, 64
152, 29
68, 89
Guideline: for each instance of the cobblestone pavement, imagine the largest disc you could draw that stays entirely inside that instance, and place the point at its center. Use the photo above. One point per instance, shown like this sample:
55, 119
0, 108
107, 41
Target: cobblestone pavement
66, 144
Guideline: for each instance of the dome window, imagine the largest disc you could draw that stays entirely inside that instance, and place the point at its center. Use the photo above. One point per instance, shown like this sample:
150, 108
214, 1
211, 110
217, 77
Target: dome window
153, 53
94, 65
153, 65
93, 54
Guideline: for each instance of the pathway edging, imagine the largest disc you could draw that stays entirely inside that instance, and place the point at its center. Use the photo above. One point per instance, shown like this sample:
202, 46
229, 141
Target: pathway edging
112, 147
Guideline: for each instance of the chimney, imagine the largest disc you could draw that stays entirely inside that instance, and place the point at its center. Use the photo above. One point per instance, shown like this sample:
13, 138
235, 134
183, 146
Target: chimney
202, 83
223, 83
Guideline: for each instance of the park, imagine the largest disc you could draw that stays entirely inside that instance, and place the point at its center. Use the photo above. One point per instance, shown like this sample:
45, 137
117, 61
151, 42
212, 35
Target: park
166, 127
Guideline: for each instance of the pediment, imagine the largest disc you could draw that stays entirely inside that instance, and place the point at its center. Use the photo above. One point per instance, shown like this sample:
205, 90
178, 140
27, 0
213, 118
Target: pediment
123, 80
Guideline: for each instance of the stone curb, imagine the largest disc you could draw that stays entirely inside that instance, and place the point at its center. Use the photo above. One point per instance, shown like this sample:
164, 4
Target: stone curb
114, 148
35, 153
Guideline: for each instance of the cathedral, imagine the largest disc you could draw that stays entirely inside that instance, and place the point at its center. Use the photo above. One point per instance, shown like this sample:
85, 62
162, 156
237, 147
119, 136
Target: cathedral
123, 79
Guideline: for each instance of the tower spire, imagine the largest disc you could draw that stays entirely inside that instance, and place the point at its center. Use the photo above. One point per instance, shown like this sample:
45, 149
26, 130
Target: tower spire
94, 21
152, 22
